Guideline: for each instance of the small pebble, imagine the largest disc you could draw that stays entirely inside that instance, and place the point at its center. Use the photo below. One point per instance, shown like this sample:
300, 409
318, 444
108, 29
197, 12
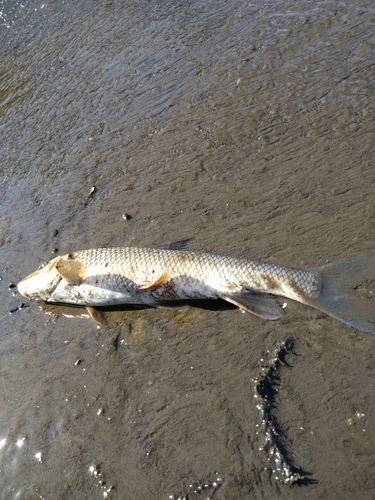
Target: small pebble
126, 216
55, 233
54, 250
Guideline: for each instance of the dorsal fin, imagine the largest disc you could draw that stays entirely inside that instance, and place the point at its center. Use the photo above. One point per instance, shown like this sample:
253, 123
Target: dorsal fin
70, 269
176, 245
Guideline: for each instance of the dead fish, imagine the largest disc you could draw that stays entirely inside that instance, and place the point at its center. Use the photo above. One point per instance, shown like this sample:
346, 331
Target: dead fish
158, 276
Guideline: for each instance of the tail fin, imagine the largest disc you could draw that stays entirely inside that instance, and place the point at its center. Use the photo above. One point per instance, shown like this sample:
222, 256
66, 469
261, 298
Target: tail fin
348, 292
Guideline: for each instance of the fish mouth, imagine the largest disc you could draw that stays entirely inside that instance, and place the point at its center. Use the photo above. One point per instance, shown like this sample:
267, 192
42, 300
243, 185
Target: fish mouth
21, 288
32, 289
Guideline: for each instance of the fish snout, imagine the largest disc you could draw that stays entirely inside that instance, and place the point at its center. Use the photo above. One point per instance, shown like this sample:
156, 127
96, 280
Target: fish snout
23, 289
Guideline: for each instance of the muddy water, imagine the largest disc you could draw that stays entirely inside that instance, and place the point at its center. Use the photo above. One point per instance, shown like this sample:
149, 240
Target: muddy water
250, 128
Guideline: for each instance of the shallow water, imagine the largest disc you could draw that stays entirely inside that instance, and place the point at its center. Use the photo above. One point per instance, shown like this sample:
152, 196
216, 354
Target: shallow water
246, 126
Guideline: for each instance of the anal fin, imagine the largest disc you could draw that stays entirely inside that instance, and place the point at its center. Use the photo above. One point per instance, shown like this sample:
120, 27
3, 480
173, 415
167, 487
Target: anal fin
260, 304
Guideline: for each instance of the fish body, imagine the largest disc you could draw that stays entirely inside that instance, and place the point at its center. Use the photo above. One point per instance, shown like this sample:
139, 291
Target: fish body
154, 276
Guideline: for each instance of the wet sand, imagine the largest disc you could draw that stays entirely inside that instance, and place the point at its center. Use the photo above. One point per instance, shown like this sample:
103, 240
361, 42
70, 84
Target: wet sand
248, 127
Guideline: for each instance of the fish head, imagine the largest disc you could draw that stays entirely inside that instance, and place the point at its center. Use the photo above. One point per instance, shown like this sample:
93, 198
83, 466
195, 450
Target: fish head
40, 284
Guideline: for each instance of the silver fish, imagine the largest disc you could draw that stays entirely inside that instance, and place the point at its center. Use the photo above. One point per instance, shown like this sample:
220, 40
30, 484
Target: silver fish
158, 276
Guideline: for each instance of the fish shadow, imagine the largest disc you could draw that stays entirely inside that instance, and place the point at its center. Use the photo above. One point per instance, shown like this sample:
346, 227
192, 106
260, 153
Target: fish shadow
209, 305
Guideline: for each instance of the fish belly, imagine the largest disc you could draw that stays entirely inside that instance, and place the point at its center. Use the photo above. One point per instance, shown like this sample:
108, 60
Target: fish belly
116, 292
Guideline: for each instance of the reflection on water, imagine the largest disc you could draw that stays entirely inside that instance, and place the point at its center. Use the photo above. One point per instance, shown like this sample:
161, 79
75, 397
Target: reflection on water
13, 11
17, 455
100, 481
13, 456
246, 126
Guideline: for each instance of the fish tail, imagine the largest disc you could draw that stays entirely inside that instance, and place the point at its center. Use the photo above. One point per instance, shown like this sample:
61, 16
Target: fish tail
347, 292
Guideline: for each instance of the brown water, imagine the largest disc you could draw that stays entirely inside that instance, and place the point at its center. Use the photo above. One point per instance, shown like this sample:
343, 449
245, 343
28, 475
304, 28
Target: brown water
249, 127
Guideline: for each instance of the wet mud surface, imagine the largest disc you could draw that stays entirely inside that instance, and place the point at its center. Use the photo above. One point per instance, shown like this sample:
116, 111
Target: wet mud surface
246, 126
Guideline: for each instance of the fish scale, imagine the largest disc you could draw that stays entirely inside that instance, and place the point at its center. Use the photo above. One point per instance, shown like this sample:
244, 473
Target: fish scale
139, 264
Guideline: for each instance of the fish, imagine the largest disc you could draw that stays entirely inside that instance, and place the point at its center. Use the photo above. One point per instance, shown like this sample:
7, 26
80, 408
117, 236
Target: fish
153, 277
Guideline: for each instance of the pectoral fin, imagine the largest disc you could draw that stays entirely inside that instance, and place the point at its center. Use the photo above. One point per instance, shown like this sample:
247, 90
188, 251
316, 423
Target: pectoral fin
108, 324
260, 304
97, 316
72, 270
161, 280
